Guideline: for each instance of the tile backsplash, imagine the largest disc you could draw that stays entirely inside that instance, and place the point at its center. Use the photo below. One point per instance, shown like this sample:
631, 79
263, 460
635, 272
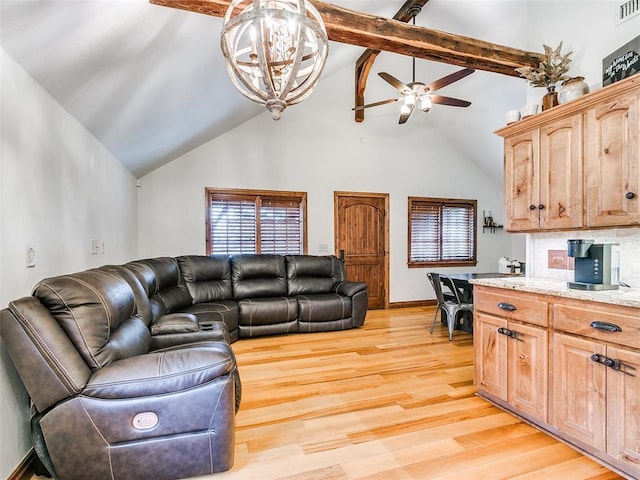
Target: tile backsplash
544, 258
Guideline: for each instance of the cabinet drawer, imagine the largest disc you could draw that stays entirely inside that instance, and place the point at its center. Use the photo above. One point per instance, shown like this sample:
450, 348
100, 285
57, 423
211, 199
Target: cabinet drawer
578, 320
526, 307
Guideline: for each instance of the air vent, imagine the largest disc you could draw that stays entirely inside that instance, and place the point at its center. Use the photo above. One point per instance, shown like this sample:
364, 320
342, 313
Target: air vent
627, 10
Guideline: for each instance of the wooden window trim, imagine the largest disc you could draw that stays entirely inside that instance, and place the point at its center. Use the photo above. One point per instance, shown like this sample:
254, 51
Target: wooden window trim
442, 263
254, 195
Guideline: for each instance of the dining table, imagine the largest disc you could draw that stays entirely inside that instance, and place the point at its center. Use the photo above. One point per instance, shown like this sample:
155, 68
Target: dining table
461, 280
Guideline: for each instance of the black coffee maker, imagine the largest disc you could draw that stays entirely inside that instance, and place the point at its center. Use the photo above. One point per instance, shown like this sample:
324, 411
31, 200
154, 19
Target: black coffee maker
597, 265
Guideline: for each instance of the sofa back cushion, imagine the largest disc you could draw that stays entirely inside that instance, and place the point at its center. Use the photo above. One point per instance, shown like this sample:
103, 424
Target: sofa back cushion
307, 274
258, 276
207, 278
170, 287
96, 310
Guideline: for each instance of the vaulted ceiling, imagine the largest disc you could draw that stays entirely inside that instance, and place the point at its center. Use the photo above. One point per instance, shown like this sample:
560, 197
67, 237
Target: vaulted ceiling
150, 81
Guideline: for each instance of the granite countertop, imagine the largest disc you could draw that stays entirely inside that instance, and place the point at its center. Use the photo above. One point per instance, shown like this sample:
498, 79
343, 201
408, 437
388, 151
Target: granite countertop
629, 297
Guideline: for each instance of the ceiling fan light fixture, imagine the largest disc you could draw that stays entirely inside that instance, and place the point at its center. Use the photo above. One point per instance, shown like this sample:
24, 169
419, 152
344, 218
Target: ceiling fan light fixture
409, 100
405, 109
275, 50
425, 103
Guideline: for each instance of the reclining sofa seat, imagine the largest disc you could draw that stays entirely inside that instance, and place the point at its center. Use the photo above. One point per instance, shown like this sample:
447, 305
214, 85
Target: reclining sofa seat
188, 285
260, 288
104, 404
325, 300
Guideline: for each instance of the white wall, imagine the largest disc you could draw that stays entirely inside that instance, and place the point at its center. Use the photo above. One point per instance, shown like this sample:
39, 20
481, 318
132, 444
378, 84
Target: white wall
591, 35
318, 148
60, 189
586, 28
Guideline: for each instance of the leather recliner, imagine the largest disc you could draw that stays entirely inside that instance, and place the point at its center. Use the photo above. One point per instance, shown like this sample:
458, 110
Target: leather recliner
106, 406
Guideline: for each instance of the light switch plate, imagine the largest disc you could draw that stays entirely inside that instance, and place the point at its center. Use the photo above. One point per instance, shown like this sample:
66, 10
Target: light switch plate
31, 256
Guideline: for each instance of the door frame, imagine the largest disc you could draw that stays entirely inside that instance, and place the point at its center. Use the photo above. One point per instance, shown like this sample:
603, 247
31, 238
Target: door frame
385, 197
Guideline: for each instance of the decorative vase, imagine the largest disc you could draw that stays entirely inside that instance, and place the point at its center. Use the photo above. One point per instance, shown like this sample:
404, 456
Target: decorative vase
550, 99
571, 89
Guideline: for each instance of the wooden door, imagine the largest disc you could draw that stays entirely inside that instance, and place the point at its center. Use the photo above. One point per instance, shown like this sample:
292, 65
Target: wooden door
521, 170
361, 236
623, 414
561, 174
490, 349
527, 367
612, 154
578, 405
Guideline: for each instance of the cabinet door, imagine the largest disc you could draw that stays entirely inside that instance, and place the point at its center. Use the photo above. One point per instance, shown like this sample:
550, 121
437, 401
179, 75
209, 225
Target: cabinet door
490, 349
578, 390
623, 408
527, 365
560, 200
521, 181
612, 153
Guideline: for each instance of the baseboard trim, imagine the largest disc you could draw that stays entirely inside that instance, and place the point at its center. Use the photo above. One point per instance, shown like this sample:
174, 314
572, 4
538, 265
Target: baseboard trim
413, 303
25, 470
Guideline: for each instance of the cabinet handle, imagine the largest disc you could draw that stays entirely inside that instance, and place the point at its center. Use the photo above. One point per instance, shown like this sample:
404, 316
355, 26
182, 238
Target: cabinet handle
508, 332
613, 364
606, 326
532, 207
507, 306
541, 206
630, 195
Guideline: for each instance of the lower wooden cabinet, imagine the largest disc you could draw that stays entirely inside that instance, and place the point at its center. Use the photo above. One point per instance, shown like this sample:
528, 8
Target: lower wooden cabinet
578, 378
513, 366
579, 390
511, 342
623, 409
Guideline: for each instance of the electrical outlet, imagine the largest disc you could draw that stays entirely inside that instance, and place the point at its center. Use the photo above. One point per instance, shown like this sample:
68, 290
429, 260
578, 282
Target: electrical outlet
557, 259
95, 247
31, 256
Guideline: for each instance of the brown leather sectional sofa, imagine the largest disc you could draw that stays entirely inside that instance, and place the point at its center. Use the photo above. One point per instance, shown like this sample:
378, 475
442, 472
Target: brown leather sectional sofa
129, 367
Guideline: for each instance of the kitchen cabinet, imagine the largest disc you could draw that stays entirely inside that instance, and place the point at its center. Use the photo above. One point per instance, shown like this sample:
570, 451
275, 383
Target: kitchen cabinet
569, 366
612, 154
543, 177
510, 338
594, 359
578, 157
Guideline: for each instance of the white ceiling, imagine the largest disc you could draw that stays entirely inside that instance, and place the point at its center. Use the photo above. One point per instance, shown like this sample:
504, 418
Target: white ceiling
150, 83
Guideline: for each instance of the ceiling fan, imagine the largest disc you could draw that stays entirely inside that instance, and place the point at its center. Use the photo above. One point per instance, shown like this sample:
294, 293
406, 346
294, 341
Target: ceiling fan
418, 93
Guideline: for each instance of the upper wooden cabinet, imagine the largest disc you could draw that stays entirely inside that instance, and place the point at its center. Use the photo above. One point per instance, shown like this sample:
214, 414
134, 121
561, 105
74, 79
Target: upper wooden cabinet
612, 151
576, 165
543, 177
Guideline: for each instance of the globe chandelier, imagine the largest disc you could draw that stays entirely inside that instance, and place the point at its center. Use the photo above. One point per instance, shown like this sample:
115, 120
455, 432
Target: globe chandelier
275, 50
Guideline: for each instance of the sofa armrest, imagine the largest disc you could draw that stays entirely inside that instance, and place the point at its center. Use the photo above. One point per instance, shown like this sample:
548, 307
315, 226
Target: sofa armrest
349, 289
175, 323
162, 372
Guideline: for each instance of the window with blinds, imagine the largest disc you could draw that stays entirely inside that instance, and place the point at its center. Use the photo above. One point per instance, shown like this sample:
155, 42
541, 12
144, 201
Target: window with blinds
250, 221
442, 232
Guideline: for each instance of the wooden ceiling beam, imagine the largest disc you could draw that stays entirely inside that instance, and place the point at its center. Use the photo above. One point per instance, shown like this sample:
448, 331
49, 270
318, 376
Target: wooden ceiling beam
393, 35
366, 60
379, 33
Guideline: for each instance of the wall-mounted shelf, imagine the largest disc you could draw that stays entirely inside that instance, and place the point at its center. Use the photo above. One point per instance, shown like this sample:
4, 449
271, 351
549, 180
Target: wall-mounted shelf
491, 228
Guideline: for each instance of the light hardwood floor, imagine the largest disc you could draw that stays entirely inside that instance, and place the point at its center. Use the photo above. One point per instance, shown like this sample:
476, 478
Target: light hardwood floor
388, 401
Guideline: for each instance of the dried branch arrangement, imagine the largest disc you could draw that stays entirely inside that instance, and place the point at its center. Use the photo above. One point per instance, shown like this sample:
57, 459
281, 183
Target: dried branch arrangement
552, 69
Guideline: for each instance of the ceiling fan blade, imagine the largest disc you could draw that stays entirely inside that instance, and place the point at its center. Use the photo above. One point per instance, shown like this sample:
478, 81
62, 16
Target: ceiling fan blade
395, 83
449, 79
375, 104
405, 116
453, 102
